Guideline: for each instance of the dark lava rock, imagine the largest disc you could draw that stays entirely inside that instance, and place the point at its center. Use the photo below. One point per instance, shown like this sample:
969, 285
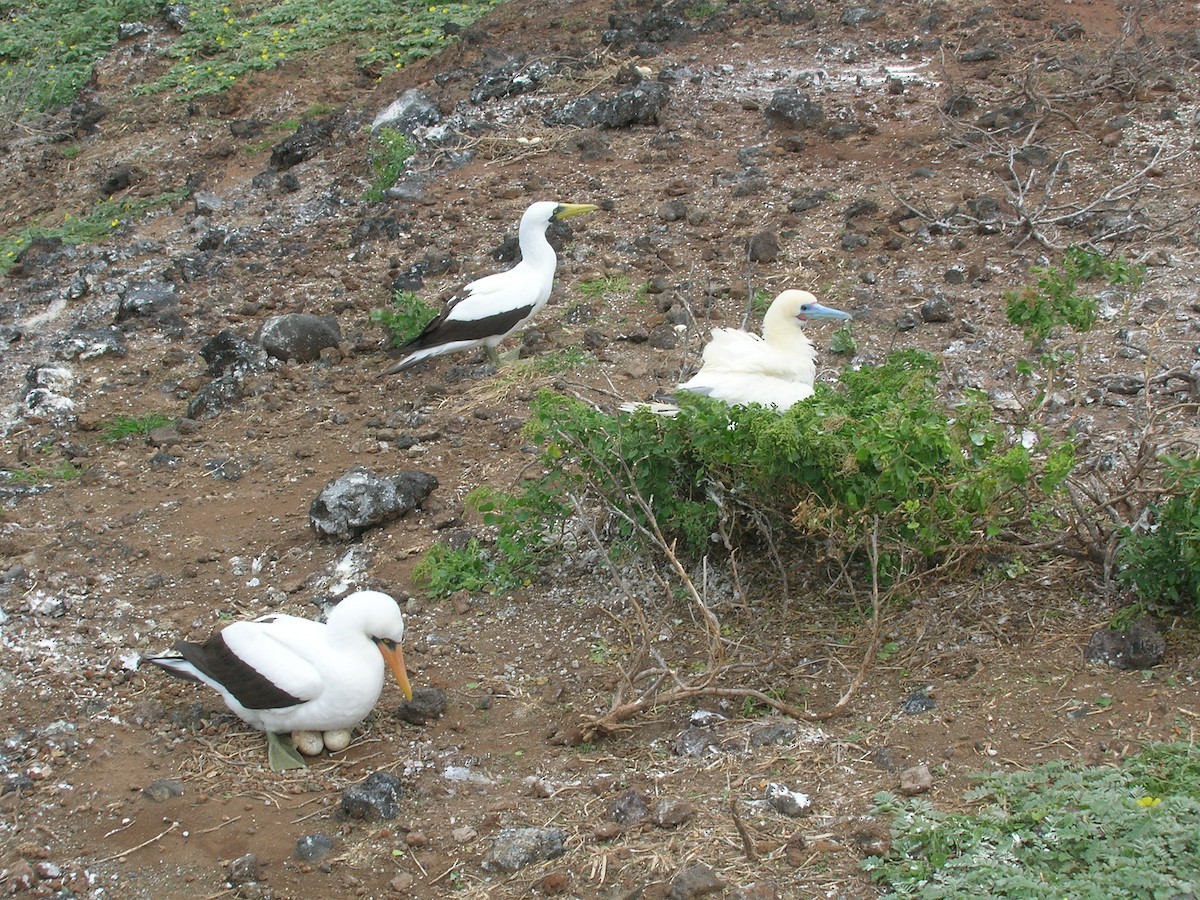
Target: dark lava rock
907, 321
955, 275
146, 299
226, 351
639, 105
217, 395
312, 847
783, 799
376, 797
628, 809
17, 782
116, 181
426, 704
857, 15
918, 701
692, 742
299, 336
763, 247
516, 848
360, 499
163, 789
794, 109
852, 240
661, 25
411, 110
1141, 647
89, 343
670, 813
244, 870
936, 309
779, 733
695, 881
805, 202
305, 143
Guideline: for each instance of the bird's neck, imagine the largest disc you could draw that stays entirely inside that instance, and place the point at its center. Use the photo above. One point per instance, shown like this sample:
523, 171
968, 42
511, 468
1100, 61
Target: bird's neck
535, 249
785, 335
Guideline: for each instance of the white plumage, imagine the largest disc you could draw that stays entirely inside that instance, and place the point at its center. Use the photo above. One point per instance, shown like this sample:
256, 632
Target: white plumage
776, 370
283, 673
488, 310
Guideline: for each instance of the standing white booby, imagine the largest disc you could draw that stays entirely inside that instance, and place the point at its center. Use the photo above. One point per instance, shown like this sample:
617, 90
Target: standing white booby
282, 673
776, 370
489, 309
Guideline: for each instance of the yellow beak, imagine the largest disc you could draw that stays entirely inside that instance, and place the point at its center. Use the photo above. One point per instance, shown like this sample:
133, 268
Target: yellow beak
566, 210
394, 657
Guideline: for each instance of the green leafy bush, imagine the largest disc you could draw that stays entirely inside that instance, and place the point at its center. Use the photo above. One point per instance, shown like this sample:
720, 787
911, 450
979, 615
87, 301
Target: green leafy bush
1055, 300
1055, 831
406, 317
1162, 563
387, 154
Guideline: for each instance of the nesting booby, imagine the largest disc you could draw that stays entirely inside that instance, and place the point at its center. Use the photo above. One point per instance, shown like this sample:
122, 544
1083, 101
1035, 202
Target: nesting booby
286, 674
776, 370
489, 309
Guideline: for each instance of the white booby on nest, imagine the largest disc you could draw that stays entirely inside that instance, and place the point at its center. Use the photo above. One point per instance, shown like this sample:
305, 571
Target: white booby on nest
282, 673
489, 309
776, 370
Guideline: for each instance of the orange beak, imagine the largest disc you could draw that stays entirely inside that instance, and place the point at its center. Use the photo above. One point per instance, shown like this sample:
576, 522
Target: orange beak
394, 657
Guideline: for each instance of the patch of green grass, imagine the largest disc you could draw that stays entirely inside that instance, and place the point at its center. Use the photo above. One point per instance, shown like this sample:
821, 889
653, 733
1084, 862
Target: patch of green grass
571, 359
1056, 831
104, 219
405, 319
48, 50
63, 471
224, 42
604, 286
126, 426
387, 155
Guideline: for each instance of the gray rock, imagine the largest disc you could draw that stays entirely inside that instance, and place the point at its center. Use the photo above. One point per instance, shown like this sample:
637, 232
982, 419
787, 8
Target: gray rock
907, 321
936, 309
206, 203
299, 336
671, 813
852, 240
376, 797
360, 500
146, 299
312, 847
90, 343
916, 780
763, 247
758, 890
792, 108
426, 704
516, 848
408, 112
1141, 647
163, 789
695, 881
217, 395
226, 351
639, 105
692, 742
783, 799
778, 733
628, 809
918, 701
244, 870
857, 15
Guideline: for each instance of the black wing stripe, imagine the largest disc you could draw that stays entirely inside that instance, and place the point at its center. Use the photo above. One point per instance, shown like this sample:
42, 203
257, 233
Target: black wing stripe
249, 686
451, 330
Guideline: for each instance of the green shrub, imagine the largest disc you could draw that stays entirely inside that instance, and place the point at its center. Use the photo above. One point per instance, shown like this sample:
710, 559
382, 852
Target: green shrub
387, 154
406, 318
1162, 563
1055, 831
126, 426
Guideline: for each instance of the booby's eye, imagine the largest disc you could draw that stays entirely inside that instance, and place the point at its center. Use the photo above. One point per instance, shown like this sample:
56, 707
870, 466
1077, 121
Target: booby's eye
387, 642
804, 307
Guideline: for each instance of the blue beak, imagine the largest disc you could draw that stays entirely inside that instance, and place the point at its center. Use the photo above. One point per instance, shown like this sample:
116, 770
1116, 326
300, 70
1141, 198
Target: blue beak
817, 311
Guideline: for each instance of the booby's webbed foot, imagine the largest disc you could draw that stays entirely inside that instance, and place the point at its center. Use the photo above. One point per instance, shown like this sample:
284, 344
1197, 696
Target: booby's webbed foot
282, 753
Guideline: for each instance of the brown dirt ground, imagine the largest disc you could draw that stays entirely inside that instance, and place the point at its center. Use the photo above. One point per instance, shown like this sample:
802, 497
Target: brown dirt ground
144, 556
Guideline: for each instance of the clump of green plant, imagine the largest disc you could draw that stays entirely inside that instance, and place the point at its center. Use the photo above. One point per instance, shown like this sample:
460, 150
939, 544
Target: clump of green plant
842, 342
1162, 562
105, 218
387, 154
48, 50
1058, 830
224, 42
879, 449
1057, 300
122, 427
406, 317
604, 286
63, 471
525, 534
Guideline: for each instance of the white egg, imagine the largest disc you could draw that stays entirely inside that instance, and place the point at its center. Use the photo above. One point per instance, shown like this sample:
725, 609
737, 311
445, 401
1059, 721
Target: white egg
338, 739
310, 743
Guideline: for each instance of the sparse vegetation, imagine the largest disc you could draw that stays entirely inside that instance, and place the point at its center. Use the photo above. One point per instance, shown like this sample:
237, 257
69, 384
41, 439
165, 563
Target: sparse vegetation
63, 471
406, 317
605, 286
1057, 830
122, 427
387, 155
